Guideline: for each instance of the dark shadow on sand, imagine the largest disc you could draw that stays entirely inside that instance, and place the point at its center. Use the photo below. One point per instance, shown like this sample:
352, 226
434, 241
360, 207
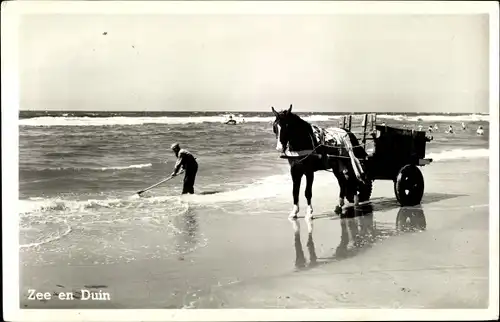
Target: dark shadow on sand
385, 204
204, 193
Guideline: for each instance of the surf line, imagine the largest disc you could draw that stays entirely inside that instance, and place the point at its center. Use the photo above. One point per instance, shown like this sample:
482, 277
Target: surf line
50, 239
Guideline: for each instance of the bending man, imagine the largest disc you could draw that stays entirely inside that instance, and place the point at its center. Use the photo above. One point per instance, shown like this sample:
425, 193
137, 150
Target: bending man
188, 162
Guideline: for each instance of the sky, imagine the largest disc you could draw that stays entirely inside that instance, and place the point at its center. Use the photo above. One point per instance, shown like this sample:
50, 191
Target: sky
338, 63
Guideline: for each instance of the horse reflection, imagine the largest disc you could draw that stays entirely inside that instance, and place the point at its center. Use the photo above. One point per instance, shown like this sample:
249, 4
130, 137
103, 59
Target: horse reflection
411, 219
300, 259
357, 230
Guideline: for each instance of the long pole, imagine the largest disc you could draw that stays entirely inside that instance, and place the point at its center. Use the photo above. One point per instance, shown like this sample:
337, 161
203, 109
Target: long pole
156, 184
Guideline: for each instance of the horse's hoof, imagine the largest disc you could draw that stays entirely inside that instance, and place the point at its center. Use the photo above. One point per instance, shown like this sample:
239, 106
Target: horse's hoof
338, 210
356, 200
294, 212
341, 202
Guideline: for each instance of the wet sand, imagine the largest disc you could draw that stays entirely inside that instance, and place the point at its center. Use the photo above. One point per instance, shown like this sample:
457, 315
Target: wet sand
433, 256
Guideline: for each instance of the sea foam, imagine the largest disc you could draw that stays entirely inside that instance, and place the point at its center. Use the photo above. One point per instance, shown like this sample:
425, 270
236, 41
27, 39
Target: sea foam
459, 154
123, 120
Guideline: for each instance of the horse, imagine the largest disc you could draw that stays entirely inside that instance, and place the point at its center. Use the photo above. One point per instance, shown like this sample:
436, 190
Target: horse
296, 134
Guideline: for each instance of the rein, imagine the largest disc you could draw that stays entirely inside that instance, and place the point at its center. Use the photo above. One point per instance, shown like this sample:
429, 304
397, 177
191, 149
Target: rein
321, 145
316, 146
337, 156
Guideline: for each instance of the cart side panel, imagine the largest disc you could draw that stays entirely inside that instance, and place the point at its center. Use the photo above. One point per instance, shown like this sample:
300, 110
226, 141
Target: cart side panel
395, 148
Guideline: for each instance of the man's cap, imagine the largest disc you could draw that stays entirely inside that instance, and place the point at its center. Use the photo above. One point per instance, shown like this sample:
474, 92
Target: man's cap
175, 146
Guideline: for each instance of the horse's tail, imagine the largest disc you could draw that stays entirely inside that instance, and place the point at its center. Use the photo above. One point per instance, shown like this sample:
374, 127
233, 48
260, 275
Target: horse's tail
352, 146
358, 149
356, 166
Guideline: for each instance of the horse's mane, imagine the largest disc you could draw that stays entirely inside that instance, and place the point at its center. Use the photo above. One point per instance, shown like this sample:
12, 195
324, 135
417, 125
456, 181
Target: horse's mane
300, 122
294, 118
295, 121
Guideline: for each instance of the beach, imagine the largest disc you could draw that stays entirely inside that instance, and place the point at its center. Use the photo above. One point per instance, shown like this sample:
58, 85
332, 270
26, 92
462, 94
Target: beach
231, 245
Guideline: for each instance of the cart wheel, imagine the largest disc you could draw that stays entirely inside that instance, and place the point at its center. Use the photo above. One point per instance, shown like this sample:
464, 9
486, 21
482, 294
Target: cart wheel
365, 191
409, 186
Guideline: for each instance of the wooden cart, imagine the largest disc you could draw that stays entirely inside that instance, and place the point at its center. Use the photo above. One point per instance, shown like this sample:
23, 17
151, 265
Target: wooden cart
397, 156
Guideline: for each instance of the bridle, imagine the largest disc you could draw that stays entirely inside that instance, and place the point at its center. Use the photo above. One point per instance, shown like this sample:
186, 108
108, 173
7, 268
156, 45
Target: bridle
276, 125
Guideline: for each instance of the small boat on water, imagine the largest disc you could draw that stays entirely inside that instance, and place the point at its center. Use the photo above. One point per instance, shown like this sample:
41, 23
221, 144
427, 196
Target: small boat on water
230, 119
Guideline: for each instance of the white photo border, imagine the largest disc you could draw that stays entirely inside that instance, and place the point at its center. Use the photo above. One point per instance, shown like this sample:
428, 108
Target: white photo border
13, 10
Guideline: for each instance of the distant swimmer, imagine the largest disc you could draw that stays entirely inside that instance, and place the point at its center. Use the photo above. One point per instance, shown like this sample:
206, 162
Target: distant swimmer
464, 127
188, 162
480, 130
430, 129
450, 130
436, 127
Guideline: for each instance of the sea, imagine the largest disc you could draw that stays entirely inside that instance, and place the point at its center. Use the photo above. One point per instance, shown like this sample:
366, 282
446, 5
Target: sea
79, 173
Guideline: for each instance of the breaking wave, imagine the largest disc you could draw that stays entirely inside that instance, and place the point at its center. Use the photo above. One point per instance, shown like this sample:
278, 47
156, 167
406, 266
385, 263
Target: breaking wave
124, 120
83, 169
459, 154
438, 118
133, 166
120, 120
41, 205
44, 221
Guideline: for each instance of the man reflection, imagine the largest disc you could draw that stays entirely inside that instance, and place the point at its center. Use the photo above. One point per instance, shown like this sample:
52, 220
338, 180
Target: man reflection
187, 236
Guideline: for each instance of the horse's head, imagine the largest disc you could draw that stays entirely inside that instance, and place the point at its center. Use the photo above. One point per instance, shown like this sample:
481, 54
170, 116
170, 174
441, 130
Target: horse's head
280, 127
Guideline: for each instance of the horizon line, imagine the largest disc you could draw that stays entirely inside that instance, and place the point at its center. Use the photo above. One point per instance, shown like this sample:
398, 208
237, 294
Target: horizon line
241, 111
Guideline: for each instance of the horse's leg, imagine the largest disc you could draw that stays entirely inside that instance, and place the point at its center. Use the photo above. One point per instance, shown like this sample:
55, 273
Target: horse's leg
356, 196
296, 178
352, 184
308, 194
342, 186
342, 193
350, 188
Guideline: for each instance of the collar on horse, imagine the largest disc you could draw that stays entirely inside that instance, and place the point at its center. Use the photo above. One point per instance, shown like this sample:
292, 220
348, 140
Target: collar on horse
336, 138
320, 137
